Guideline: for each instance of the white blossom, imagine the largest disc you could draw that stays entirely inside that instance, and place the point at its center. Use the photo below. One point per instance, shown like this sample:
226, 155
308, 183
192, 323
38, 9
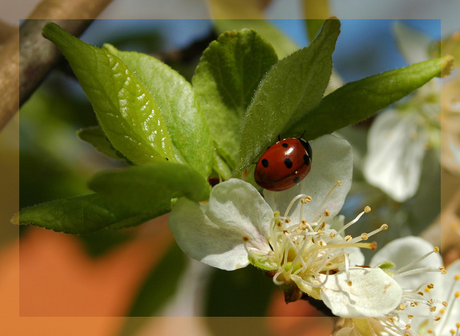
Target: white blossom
417, 268
399, 136
296, 234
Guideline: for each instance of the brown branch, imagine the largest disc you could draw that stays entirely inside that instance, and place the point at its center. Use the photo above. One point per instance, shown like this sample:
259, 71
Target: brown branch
37, 56
6, 31
24, 64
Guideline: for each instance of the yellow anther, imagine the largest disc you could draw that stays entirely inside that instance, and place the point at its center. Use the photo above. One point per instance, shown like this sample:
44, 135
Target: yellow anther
339, 183
436, 249
364, 236
327, 213
384, 227
367, 209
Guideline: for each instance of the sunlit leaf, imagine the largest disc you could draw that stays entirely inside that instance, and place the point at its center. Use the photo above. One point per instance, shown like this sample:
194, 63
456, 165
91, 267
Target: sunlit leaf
282, 44
359, 100
126, 110
293, 87
179, 107
225, 81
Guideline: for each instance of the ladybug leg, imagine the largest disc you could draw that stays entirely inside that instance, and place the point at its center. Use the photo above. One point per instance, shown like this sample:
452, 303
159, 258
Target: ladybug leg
303, 133
279, 139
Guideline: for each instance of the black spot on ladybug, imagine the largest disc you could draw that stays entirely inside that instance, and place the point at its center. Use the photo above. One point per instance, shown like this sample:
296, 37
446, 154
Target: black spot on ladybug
265, 163
297, 180
306, 158
285, 145
288, 163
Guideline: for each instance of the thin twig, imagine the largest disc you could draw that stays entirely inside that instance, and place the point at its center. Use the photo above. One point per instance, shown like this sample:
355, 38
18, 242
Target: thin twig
30, 60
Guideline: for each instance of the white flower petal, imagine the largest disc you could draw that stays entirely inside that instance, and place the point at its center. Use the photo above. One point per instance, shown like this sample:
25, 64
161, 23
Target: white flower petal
332, 161
355, 256
213, 233
396, 146
373, 293
405, 250
453, 317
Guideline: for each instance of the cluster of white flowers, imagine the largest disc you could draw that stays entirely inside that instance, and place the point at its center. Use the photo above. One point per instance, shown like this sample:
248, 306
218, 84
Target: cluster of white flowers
298, 237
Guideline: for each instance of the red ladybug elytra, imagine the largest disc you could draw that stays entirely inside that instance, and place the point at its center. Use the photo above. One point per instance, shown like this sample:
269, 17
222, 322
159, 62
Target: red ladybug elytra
284, 164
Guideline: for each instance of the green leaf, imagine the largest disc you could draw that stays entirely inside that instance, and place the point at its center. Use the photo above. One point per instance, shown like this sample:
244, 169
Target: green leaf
82, 214
126, 110
160, 285
313, 27
282, 44
225, 81
96, 137
293, 87
359, 100
151, 185
180, 110
221, 167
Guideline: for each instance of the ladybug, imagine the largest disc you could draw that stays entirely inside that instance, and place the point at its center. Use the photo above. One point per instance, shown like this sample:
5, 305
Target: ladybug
284, 164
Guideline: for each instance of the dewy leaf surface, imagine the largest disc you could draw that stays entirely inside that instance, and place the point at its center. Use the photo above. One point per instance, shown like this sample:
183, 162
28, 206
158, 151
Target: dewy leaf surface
359, 100
180, 110
126, 110
293, 87
150, 185
83, 214
225, 81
